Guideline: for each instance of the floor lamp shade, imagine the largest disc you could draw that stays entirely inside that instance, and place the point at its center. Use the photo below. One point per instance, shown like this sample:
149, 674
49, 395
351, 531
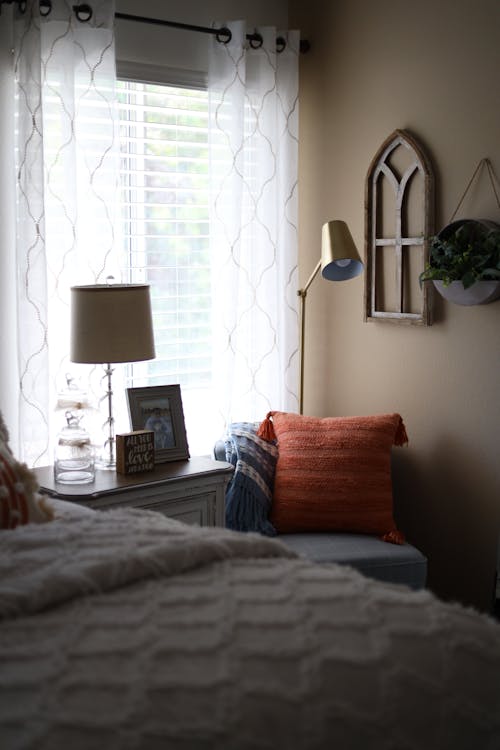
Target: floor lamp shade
340, 260
111, 323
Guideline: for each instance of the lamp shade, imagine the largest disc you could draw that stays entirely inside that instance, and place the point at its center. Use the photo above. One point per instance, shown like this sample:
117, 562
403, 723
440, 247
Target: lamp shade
111, 323
339, 257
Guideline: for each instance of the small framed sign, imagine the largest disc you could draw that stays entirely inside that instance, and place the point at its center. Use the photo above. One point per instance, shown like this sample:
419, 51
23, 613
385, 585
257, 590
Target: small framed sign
159, 408
135, 452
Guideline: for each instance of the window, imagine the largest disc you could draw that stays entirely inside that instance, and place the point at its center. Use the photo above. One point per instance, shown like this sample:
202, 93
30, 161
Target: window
164, 184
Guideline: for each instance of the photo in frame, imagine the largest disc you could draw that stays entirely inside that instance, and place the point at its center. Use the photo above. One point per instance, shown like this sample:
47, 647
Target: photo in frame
159, 408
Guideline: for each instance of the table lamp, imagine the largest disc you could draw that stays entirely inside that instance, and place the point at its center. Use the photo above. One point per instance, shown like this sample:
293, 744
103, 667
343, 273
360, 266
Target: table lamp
339, 261
111, 323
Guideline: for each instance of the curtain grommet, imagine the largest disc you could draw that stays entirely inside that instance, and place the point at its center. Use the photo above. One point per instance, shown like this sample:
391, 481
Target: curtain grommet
280, 44
45, 7
224, 35
83, 12
255, 40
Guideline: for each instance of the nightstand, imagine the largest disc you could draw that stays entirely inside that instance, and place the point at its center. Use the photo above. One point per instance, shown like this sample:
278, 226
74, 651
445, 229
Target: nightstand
192, 491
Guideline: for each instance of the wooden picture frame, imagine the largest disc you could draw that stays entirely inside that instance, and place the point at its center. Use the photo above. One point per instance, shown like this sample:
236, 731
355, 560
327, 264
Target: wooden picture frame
159, 408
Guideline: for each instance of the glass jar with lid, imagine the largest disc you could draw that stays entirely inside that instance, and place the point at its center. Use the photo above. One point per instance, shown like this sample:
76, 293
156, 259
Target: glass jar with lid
74, 461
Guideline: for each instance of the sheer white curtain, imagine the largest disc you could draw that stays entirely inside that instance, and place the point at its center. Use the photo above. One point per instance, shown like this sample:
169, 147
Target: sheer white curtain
254, 151
66, 168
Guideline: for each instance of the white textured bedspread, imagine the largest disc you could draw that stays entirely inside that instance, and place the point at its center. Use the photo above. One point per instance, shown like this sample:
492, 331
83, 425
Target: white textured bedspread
126, 630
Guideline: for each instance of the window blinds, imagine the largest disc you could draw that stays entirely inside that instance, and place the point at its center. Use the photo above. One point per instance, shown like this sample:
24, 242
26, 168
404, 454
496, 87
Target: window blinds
164, 185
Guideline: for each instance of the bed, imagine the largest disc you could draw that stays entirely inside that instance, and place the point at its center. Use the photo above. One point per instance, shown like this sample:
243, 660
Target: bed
128, 630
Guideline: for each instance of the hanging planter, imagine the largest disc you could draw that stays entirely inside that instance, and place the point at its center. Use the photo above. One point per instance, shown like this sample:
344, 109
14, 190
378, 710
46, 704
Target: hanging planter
480, 293
464, 262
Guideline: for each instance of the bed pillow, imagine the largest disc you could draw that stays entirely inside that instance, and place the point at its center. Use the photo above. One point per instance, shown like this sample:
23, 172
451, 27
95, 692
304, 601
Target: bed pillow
250, 491
20, 501
334, 474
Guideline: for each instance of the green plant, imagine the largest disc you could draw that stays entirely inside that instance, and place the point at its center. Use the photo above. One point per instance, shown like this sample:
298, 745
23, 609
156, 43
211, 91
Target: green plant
468, 253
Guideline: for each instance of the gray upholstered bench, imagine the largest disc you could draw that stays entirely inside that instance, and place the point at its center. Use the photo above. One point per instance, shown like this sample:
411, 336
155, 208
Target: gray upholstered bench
392, 563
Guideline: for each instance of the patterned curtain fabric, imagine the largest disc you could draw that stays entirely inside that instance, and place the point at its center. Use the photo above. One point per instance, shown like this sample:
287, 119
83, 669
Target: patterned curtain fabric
66, 190
253, 140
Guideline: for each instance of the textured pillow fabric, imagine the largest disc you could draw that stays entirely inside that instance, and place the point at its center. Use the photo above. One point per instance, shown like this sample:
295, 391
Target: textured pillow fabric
20, 502
250, 491
4, 433
334, 474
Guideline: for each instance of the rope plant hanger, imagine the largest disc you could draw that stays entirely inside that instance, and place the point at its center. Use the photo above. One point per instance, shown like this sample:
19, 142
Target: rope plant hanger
483, 162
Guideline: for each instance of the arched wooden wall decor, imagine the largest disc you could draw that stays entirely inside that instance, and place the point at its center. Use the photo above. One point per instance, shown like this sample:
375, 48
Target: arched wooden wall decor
399, 219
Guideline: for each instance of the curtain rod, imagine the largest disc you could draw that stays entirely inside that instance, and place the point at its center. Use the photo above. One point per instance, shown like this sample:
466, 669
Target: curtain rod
222, 35
84, 13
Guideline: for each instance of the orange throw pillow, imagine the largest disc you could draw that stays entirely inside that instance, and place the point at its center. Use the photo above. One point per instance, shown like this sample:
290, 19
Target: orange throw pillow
334, 474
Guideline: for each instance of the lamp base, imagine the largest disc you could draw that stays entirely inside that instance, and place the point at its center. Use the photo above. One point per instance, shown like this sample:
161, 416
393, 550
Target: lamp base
107, 461
105, 464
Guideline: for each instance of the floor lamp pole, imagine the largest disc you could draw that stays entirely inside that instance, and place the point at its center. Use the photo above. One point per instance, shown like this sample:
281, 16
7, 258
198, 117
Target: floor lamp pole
302, 293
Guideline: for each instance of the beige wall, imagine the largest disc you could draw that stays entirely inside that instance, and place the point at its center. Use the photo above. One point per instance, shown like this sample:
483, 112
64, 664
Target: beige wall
431, 68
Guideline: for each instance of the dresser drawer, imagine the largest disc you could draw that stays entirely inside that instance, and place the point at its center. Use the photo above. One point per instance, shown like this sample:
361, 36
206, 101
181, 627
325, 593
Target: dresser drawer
194, 510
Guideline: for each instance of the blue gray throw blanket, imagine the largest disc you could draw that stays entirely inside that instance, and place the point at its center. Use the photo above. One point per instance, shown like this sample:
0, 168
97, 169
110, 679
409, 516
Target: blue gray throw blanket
250, 492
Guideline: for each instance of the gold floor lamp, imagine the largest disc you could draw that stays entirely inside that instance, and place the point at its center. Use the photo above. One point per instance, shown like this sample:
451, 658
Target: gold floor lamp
340, 261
